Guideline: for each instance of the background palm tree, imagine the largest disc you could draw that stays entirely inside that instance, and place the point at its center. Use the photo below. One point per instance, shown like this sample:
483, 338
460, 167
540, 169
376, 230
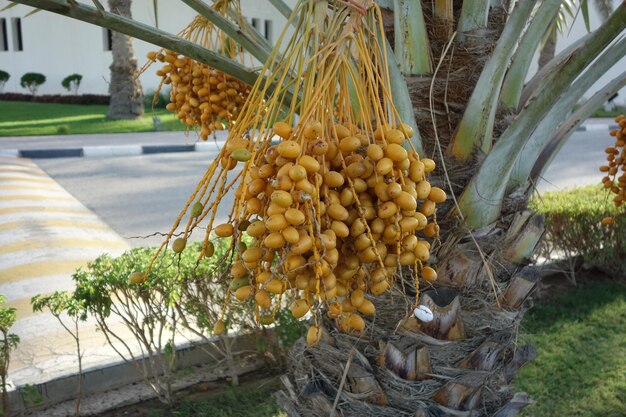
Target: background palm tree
464, 64
567, 14
124, 88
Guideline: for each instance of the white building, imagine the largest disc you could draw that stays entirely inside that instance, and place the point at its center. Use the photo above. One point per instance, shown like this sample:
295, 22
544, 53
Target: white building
57, 46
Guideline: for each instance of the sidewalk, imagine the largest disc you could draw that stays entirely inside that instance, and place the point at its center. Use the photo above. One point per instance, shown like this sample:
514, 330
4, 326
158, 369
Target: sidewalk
45, 234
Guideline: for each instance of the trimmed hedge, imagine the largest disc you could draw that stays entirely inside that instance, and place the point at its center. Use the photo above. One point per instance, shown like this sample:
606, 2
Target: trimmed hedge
573, 226
57, 98
72, 82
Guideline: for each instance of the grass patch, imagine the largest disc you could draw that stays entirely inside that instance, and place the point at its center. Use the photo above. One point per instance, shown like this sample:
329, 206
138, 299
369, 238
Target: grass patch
580, 370
611, 113
251, 400
38, 119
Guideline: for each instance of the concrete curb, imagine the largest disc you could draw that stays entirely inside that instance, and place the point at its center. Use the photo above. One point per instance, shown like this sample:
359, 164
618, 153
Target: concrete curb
592, 127
98, 380
136, 150
107, 151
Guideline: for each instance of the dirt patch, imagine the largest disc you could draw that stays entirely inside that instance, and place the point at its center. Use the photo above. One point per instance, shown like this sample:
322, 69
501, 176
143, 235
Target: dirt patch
564, 276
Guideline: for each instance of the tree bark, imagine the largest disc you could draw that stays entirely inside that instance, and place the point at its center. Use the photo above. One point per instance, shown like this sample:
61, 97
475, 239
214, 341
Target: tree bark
124, 88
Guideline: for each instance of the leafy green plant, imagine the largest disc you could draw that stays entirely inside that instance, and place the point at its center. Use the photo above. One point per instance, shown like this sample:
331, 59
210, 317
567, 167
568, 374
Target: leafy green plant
573, 227
179, 295
8, 342
288, 328
63, 130
32, 81
4, 77
63, 302
72, 83
31, 395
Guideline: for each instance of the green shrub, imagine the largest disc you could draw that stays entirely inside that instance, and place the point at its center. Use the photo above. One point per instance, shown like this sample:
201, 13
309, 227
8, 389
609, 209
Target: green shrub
288, 328
4, 77
179, 295
156, 100
72, 83
63, 130
573, 226
32, 81
8, 342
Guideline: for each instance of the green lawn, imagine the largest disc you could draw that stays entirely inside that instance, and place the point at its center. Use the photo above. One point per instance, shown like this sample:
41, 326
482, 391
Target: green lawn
580, 370
19, 118
613, 113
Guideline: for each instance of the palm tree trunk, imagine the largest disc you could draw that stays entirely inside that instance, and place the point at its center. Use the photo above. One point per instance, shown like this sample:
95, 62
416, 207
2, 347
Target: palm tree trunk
124, 88
463, 361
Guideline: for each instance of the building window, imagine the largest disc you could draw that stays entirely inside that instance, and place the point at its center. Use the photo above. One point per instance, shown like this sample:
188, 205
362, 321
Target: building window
4, 36
256, 24
18, 44
107, 39
268, 30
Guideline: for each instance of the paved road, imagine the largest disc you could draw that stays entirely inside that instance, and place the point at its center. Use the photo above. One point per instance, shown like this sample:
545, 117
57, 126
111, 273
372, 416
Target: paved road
137, 195
578, 161
141, 195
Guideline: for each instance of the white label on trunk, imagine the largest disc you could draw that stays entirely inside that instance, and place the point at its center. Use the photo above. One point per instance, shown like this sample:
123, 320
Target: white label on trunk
423, 313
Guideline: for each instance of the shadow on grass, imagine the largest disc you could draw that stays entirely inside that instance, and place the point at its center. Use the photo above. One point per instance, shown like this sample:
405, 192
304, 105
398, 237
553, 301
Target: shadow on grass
574, 305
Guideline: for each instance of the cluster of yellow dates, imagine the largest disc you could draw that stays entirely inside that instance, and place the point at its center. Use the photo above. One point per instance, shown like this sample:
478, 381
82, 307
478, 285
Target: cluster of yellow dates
333, 214
616, 157
200, 95
330, 210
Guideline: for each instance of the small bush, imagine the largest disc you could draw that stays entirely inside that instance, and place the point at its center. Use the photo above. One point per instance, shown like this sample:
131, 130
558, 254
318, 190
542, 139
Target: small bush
63, 130
4, 77
72, 83
8, 342
156, 100
179, 294
288, 328
32, 81
57, 98
573, 227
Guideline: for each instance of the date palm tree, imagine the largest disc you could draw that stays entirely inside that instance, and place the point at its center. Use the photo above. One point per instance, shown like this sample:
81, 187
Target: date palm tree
569, 10
459, 78
124, 87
